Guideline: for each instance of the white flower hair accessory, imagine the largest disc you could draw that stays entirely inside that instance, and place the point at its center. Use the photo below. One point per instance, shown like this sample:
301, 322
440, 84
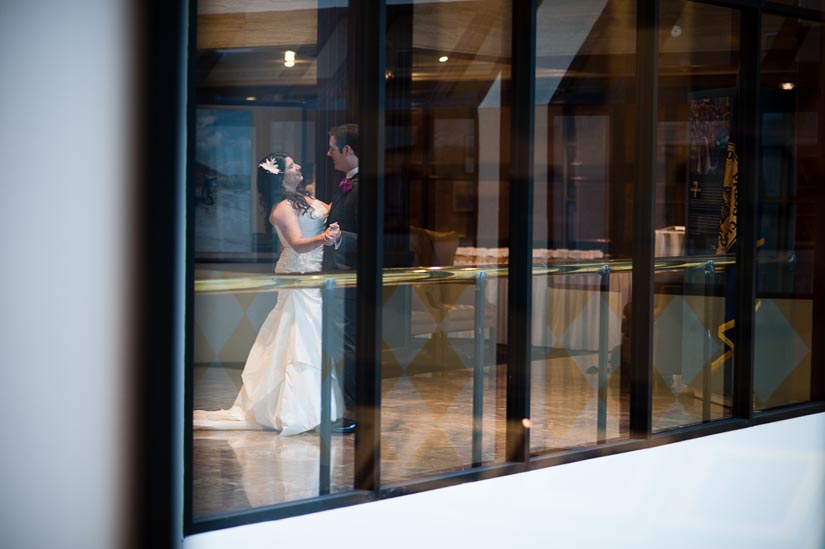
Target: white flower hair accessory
271, 166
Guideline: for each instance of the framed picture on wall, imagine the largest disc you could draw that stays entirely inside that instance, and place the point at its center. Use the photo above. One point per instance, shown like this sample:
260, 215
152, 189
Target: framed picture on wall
223, 179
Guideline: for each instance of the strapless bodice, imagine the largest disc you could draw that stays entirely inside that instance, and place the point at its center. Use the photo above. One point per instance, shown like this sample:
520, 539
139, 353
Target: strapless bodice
311, 223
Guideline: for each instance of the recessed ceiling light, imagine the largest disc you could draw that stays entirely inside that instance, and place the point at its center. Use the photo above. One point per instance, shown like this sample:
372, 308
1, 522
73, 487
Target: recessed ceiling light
251, 98
443, 59
788, 86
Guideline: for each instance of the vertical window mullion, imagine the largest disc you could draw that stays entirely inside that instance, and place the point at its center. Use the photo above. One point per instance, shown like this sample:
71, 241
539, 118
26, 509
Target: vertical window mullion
641, 343
818, 350
749, 170
523, 71
367, 31
162, 310
190, 49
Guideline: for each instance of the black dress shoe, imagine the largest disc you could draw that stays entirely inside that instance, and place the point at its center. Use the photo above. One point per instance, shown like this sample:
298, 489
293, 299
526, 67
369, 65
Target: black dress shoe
344, 426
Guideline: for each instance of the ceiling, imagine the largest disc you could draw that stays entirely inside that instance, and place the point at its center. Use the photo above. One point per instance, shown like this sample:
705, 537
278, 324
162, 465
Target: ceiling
241, 45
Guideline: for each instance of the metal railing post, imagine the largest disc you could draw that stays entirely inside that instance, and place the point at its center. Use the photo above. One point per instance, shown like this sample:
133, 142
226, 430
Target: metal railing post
326, 387
601, 418
478, 363
706, 364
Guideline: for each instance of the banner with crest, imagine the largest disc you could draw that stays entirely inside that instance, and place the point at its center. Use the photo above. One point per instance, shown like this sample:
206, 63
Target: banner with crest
710, 121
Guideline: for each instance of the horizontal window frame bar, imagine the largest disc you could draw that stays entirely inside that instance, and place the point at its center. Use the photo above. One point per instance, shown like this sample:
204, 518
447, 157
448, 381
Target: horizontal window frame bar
453, 478
280, 511
790, 411
487, 472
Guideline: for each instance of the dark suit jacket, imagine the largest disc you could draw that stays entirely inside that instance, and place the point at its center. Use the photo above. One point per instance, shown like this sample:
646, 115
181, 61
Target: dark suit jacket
344, 211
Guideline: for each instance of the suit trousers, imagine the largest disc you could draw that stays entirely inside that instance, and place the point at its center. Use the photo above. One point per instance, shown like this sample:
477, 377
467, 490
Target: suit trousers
343, 342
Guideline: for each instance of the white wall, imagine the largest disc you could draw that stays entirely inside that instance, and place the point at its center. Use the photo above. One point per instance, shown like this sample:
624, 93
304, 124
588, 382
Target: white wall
64, 170
762, 487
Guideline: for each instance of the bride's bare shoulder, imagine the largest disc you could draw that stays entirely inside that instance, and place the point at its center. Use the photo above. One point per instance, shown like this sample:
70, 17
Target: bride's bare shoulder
282, 210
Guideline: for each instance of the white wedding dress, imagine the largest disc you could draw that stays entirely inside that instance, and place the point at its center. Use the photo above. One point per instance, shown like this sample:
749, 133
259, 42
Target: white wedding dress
282, 375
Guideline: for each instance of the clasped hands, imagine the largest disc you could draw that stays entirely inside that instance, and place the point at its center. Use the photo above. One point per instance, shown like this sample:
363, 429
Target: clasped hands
332, 234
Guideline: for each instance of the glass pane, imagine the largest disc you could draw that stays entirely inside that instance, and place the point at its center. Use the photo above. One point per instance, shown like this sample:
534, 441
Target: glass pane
789, 202
692, 349
443, 393
265, 99
584, 153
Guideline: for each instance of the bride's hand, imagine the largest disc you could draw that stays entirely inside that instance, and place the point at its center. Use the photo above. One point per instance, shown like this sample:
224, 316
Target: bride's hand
332, 234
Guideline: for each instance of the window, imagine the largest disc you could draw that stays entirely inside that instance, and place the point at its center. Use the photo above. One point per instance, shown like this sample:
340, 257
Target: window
533, 282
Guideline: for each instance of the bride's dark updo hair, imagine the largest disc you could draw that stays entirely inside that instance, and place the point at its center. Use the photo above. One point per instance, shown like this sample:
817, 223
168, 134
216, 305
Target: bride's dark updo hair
271, 185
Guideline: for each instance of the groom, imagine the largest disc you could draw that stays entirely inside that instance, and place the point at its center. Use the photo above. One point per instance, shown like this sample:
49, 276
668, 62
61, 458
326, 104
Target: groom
341, 256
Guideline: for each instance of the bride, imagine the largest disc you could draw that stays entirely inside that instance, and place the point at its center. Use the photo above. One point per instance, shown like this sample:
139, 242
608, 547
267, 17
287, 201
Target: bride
282, 375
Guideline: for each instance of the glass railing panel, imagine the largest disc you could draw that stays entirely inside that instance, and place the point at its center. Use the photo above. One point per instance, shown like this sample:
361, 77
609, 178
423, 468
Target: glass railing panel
581, 340
692, 352
442, 391
264, 453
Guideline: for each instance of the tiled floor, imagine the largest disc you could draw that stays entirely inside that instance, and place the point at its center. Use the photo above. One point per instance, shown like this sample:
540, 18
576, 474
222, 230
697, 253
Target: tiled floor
426, 430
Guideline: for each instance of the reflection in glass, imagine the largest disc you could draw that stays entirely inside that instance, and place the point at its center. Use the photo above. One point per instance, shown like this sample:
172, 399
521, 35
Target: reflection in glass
442, 393
238, 470
696, 166
264, 84
585, 79
789, 201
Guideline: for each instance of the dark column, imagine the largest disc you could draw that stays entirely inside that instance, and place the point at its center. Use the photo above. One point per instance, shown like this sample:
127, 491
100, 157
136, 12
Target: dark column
641, 340
748, 130
162, 421
400, 135
367, 30
520, 284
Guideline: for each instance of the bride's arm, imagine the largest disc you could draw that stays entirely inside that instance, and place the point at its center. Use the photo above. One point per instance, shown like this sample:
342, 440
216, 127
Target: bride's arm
285, 218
